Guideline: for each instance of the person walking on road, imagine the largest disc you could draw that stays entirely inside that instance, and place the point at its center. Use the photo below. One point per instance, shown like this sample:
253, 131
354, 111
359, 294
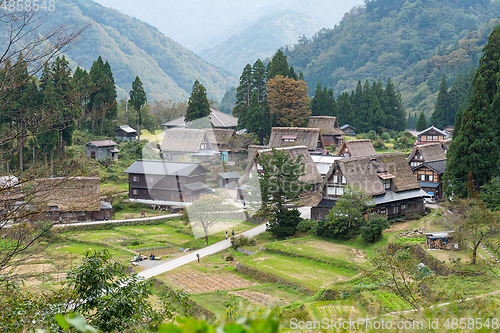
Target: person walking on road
227, 234
233, 233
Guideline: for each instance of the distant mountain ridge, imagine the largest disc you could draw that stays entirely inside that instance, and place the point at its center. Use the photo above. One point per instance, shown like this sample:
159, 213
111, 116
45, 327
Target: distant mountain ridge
167, 70
225, 32
260, 40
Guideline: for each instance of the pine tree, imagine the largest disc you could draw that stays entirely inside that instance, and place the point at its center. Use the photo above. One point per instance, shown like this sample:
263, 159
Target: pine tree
319, 103
137, 99
198, 105
255, 118
421, 122
489, 65
393, 108
441, 112
258, 80
345, 109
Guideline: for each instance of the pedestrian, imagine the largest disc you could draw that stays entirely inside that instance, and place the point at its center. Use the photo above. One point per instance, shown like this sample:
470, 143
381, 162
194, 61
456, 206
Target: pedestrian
198, 256
233, 233
227, 234
244, 203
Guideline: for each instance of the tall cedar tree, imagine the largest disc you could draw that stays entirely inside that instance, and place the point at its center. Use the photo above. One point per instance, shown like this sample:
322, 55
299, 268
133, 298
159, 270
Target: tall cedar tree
441, 112
288, 101
474, 149
243, 94
489, 66
345, 109
278, 66
102, 101
421, 122
393, 107
198, 105
137, 100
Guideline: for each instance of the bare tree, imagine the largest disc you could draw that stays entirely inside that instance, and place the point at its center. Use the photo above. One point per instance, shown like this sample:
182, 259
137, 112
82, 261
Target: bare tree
27, 36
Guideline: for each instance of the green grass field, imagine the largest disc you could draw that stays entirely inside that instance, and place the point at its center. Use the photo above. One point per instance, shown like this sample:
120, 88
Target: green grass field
303, 272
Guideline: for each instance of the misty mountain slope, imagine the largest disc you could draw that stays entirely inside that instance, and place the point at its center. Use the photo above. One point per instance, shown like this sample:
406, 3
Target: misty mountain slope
167, 70
200, 25
260, 40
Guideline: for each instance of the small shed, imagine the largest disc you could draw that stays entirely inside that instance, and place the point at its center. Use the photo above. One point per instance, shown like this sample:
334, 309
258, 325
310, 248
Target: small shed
126, 133
102, 149
441, 240
348, 129
228, 179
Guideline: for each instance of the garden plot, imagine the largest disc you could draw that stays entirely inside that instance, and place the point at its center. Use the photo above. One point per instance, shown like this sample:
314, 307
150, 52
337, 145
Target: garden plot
336, 311
196, 282
303, 272
256, 298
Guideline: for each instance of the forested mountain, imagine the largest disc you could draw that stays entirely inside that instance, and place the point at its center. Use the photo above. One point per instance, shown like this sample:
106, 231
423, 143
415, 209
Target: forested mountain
261, 40
413, 42
133, 48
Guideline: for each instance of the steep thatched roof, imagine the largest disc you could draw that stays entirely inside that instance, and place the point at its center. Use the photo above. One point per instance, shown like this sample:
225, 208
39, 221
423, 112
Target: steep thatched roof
327, 125
182, 140
367, 172
217, 118
311, 176
308, 137
252, 150
218, 135
357, 148
430, 152
69, 194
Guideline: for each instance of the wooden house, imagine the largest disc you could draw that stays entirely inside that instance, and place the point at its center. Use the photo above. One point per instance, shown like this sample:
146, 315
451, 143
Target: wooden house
311, 138
426, 153
385, 177
217, 119
186, 142
431, 135
102, 149
330, 131
312, 178
166, 183
429, 175
70, 199
348, 129
356, 148
126, 133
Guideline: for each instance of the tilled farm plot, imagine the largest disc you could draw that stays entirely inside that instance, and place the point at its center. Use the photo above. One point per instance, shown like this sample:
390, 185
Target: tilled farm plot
197, 282
257, 298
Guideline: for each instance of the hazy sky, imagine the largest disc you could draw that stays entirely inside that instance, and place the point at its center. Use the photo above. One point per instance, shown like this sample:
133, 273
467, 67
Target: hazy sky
201, 24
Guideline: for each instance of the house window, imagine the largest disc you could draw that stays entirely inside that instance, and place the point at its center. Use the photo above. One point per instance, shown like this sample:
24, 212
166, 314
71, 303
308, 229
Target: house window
387, 184
422, 177
136, 192
335, 178
135, 178
150, 179
340, 190
330, 190
203, 146
431, 178
403, 207
343, 180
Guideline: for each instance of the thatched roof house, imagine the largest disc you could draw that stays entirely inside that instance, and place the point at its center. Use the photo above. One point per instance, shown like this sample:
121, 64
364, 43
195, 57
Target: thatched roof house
311, 177
218, 137
426, 153
68, 194
297, 136
183, 140
329, 126
356, 148
385, 177
217, 119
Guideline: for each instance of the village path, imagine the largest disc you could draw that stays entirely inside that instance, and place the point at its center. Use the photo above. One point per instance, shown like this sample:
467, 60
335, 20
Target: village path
209, 250
140, 219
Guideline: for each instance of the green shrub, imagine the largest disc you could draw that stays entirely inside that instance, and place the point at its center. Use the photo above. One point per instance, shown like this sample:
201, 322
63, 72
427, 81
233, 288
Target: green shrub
229, 257
241, 241
372, 230
307, 225
385, 136
285, 224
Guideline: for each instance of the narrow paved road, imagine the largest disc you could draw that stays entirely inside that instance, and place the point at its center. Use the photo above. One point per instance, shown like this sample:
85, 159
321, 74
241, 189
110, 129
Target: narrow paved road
209, 250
